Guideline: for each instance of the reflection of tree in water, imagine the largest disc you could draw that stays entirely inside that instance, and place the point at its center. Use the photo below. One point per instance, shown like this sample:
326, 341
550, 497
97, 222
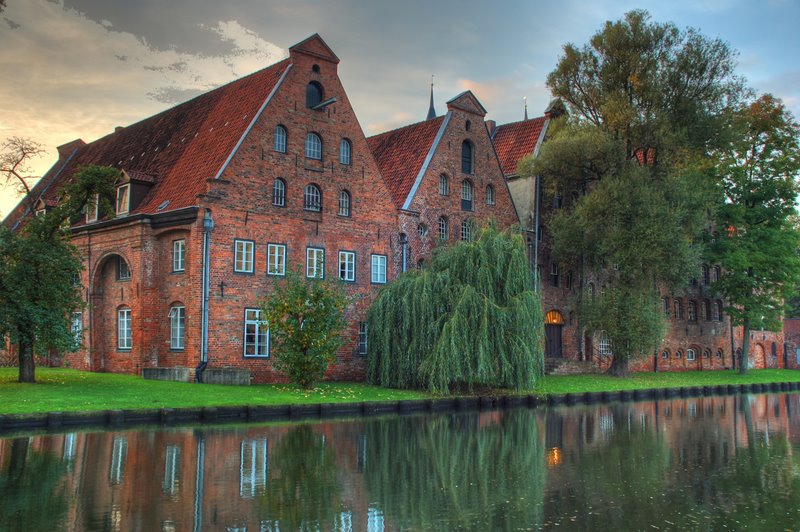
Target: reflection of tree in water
303, 491
32, 491
449, 472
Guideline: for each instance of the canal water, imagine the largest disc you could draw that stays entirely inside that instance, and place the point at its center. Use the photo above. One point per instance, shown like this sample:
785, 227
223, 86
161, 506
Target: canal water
712, 463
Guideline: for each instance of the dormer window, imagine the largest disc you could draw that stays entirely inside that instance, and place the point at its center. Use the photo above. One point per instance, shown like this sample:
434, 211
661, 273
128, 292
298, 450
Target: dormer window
123, 199
314, 94
93, 209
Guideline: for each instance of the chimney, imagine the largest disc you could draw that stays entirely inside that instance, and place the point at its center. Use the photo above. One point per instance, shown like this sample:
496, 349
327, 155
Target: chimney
491, 125
65, 150
118, 129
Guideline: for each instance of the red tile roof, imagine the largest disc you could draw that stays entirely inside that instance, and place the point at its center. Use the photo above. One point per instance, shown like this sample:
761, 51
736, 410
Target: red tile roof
180, 148
400, 154
514, 141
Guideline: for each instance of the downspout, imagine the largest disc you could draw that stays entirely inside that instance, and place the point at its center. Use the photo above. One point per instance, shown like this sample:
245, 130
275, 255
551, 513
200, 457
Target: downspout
538, 187
404, 243
208, 226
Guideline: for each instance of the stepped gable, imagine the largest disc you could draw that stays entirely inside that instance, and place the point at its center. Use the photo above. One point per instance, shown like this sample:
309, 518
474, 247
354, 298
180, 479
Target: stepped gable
400, 154
515, 140
180, 148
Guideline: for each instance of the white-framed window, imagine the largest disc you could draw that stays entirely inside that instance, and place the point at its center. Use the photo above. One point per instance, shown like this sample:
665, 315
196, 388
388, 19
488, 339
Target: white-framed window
124, 338
347, 266
256, 334
344, 203
315, 263
123, 270
253, 468
279, 192
466, 195
362, 337
119, 455
345, 151
444, 229
422, 230
604, 346
312, 198
93, 209
177, 327
691, 314
279, 143
76, 327
243, 256
489, 195
178, 255
444, 185
123, 199
172, 470
276, 259
379, 269
690, 355
466, 230
313, 147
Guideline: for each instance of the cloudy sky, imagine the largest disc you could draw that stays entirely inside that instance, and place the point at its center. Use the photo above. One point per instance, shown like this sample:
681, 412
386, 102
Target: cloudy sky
78, 68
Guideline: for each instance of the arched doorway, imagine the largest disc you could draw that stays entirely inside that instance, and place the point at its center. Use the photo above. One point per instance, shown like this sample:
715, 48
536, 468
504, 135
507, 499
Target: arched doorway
111, 301
759, 361
553, 324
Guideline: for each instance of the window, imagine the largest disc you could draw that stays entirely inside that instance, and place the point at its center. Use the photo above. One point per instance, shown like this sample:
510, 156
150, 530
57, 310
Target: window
569, 280
706, 274
466, 157
93, 209
172, 466
678, 353
717, 272
177, 327
124, 340
719, 353
362, 338
313, 146
489, 195
466, 231
558, 201
466, 195
256, 334
276, 259
314, 94
692, 311
705, 310
422, 229
344, 203
379, 269
178, 255
590, 290
76, 327
345, 151
665, 307
312, 198
554, 274
280, 139
605, 345
253, 468
119, 454
707, 353
678, 309
279, 192
690, 354
347, 266
444, 185
123, 199
243, 256
719, 310
315, 263
444, 231
468, 125
665, 353
123, 270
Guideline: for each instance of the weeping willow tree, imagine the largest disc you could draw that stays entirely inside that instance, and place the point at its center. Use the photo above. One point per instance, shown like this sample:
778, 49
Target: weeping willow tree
469, 318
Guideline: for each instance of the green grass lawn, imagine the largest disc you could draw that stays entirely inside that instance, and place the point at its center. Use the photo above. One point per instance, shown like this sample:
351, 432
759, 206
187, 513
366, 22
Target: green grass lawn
71, 390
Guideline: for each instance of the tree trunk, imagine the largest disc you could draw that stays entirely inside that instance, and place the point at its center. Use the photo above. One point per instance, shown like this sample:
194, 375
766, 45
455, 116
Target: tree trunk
745, 347
27, 368
619, 367
19, 457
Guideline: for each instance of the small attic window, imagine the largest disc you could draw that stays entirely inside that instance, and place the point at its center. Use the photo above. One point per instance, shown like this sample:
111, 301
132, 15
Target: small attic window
468, 125
314, 94
163, 206
315, 69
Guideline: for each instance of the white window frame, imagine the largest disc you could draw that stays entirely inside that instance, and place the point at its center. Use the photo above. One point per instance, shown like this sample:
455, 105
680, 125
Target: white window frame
119, 455
124, 331
378, 269
123, 269
444, 228
279, 192
259, 335
690, 354
604, 346
489, 195
93, 209
279, 139
76, 327
363, 336
345, 203
315, 263
172, 464
312, 198
345, 152
243, 256
466, 231
177, 328
123, 203
444, 185
347, 266
179, 255
276, 259
313, 147
253, 465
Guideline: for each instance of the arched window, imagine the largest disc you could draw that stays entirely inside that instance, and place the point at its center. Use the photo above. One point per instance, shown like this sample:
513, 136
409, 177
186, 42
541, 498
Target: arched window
665, 353
279, 192
719, 353
719, 310
466, 157
489, 195
344, 203
177, 326
345, 151
312, 198
444, 185
690, 354
466, 230
314, 94
706, 274
706, 353
717, 273
692, 311
422, 230
678, 309
279, 142
466, 195
313, 146
605, 348
444, 229
124, 335
665, 306
703, 311
678, 353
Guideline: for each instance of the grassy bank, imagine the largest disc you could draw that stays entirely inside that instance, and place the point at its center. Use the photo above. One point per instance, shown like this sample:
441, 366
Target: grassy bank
70, 390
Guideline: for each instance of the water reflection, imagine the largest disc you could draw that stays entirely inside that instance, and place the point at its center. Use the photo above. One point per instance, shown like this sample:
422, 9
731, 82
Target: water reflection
727, 462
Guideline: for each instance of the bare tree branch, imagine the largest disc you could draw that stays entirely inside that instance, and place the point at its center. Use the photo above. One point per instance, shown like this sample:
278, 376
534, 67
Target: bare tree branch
15, 157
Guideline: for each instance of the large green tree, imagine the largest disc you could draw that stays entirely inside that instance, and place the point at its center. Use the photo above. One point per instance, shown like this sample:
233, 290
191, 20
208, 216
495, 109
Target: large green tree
646, 102
39, 267
758, 240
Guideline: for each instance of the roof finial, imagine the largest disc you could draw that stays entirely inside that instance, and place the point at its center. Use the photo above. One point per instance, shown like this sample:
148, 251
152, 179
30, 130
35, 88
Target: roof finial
431, 110
525, 101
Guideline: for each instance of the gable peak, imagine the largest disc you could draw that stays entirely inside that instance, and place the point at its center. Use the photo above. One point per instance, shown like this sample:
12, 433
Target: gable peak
314, 46
466, 101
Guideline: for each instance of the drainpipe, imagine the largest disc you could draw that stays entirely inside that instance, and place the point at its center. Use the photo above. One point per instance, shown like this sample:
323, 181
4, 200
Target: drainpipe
538, 187
530, 262
404, 243
208, 226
